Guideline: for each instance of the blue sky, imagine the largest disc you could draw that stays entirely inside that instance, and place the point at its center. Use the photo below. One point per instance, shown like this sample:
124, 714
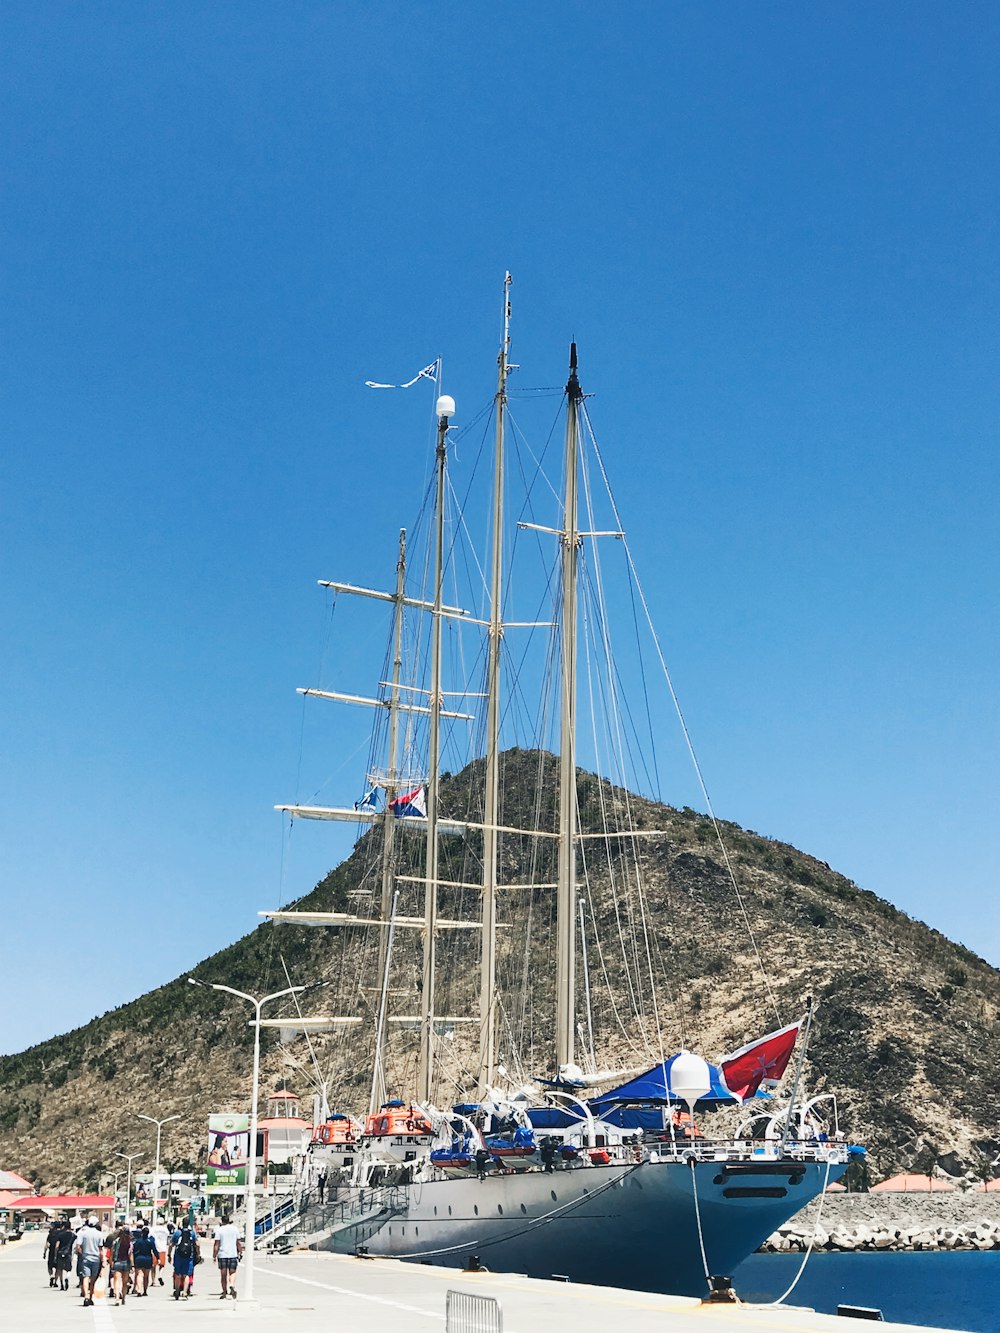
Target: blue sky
772, 230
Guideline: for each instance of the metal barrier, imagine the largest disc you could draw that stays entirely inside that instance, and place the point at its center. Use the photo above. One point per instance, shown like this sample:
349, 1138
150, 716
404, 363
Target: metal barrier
468, 1313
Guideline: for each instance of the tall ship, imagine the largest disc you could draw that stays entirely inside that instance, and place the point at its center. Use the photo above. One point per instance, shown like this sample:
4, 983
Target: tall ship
504, 949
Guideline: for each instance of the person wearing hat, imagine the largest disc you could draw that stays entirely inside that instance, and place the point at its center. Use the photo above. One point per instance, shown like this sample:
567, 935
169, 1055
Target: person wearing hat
88, 1247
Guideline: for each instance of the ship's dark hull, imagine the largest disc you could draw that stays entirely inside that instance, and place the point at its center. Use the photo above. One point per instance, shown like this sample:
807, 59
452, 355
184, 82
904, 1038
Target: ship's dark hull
632, 1225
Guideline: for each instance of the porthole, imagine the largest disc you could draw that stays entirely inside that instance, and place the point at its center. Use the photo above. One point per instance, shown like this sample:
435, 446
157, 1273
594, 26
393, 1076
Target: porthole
435, 1210
555, 1196
449, 1210
500, 1209
475, 1209
524, 1210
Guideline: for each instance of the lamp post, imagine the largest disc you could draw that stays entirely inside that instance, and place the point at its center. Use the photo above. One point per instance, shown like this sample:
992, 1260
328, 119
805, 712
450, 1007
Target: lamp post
251, 1218
116, 1176
130, 1158
156, 1170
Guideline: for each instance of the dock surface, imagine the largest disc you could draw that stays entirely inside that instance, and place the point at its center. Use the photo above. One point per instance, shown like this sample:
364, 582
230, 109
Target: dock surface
314, 1293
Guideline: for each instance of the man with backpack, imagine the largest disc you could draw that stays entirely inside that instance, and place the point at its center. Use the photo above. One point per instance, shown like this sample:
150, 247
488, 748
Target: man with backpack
65, 1240
185, 1253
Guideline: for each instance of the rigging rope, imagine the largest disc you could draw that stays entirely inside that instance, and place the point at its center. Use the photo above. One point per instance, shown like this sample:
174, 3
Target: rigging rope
684, 730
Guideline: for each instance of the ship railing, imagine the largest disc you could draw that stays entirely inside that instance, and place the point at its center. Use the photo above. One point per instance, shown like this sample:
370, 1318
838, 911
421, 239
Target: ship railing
364, 1203
741, 1150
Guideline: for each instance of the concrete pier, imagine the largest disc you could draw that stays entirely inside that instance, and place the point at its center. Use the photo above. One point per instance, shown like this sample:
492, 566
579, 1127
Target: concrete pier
313, 1293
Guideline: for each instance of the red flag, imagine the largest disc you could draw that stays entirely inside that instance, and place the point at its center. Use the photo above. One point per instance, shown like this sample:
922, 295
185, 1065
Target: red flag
762, 1061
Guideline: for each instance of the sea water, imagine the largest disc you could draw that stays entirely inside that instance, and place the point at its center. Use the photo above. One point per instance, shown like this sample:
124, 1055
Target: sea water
954, 1289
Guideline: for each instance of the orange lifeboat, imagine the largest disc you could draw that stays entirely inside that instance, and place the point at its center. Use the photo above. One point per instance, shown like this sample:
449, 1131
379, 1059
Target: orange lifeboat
397, 1118
339, 1129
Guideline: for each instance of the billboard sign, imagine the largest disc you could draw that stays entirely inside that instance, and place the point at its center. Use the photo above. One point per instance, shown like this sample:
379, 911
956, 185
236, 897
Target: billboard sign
228, 1153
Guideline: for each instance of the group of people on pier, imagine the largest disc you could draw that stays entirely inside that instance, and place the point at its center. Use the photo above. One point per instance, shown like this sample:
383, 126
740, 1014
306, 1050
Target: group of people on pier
135, 1257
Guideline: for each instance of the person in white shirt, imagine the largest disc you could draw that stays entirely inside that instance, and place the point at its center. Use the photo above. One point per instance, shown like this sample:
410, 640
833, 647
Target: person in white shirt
88, 1247
227, 1250
160, 1233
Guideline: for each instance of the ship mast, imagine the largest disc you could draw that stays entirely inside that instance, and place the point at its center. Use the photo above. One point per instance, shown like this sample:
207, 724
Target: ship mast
488, 967
389, 823
566, 891
425, 1060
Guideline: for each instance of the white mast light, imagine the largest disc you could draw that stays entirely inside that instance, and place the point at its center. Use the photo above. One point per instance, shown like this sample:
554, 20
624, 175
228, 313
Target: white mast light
446, 405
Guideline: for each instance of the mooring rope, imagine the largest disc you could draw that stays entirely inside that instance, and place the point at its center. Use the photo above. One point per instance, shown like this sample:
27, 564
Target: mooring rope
692, 1162
809, 1249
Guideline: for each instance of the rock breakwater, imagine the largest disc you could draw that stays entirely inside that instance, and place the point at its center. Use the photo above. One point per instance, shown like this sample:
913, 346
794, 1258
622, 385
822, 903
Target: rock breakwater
880, 1222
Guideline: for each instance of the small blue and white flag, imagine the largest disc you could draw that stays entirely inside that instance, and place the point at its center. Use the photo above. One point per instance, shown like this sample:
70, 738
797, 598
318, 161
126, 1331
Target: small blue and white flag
411, 803
369, 801
428, 373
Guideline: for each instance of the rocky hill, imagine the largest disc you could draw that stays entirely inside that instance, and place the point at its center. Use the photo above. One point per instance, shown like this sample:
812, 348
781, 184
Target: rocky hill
905, 1033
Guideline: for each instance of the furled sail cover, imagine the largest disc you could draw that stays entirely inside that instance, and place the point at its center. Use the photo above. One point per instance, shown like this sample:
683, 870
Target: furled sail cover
653, 1086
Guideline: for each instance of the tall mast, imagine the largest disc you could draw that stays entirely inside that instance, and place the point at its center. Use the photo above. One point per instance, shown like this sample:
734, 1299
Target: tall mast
378, 1072
389, 820
488, 966
425, 1064
566, 891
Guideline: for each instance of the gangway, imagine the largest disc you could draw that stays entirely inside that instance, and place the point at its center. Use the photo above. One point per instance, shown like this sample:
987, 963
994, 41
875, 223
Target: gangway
277, 1221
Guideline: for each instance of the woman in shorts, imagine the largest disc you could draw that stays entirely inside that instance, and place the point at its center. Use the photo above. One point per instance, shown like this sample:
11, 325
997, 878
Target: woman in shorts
121, 1262
143, 1252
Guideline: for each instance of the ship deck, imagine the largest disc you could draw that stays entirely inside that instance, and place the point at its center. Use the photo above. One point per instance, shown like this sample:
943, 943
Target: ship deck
311, 1292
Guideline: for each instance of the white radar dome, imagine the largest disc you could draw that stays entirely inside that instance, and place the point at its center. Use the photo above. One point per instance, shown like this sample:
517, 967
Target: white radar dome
689, 1077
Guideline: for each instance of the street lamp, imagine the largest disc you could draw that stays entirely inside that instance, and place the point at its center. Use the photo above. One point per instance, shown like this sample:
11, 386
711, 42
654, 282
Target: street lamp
130, 1158
156, 1172
116, 1175
251, 1219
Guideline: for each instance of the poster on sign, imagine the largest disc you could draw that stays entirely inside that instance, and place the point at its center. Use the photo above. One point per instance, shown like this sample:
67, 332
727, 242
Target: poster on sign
228, 1153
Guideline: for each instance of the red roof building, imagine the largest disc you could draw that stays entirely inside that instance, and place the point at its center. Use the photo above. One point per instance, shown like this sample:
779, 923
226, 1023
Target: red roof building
12, 1186
101, 1206
288, 1133
910, 1183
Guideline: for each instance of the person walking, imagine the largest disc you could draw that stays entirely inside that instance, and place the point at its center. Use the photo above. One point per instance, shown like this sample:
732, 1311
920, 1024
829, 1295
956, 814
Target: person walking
88, 1247
227, 1251
185, 1253
143, 1257
65, 1240
160, 1234
50, 1252
121, 1261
